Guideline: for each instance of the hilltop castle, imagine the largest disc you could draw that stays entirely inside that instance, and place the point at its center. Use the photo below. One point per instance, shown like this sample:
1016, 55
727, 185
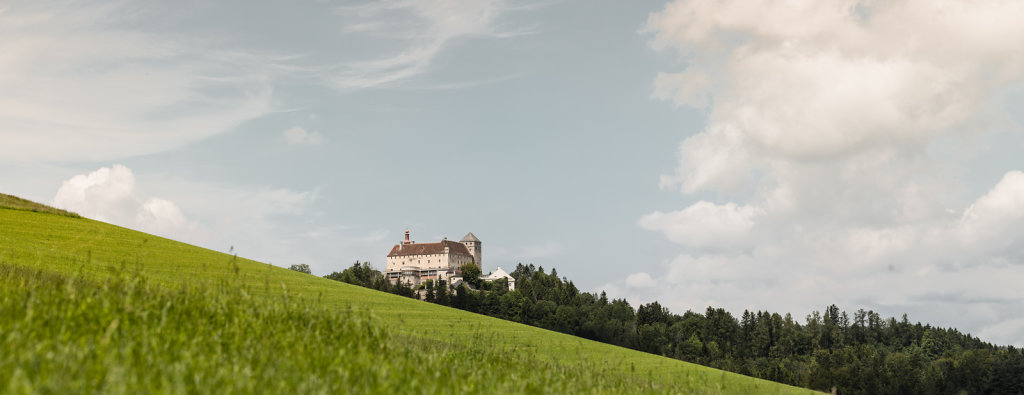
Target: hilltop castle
413, 263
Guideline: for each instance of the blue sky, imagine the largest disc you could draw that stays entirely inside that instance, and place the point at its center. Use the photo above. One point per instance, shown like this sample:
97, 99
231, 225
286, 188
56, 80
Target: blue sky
748, 155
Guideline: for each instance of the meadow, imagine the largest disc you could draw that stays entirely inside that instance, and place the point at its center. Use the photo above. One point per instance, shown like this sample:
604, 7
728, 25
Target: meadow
88, 306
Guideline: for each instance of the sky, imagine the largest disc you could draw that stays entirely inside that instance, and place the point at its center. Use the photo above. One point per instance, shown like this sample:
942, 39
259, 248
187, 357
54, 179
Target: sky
745, 154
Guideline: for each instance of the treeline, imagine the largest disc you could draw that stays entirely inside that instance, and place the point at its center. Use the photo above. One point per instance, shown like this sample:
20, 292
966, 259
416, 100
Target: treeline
862, 353
364, 275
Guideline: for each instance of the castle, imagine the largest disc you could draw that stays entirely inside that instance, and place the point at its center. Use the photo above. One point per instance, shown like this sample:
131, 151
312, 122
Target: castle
413, 263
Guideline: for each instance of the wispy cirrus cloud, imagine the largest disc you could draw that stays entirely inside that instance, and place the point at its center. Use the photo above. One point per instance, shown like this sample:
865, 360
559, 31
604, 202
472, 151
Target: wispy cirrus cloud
86, 81
420, 30
105, 81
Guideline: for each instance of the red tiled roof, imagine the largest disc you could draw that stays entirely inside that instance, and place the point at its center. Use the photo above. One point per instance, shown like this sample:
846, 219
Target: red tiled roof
454, 248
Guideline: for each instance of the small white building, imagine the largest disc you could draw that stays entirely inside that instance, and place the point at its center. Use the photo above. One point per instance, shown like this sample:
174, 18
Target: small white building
498, 273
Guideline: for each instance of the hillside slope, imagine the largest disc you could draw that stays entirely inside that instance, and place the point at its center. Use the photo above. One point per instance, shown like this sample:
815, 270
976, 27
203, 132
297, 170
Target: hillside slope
92, 249
17, 203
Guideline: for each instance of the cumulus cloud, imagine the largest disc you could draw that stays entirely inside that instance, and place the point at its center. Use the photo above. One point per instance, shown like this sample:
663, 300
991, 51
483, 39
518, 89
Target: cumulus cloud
162, 215
821, 116
109, 195
300, 136
255, 222
706, 225
989, 223
640, 280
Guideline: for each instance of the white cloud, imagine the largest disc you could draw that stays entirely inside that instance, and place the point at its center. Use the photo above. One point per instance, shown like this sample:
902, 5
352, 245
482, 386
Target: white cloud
299, 136
821, 117
706, 225
258, 222
109, 195
690, 87
1001, 206
423, 28
989, 223
103, 82
164, 215
640, 280
281, 226
84, 82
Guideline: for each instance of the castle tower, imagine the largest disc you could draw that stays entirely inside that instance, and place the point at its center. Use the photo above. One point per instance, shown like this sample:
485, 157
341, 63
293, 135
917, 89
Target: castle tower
473, 244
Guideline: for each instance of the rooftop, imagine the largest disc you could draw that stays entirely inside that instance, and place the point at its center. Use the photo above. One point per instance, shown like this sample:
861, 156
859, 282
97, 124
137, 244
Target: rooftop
454, 248
469, 237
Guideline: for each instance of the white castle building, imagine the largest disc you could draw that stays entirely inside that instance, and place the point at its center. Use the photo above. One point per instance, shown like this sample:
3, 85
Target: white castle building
413, 263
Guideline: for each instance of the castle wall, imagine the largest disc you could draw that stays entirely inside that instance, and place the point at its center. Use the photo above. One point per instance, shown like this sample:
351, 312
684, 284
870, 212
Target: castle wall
432, 261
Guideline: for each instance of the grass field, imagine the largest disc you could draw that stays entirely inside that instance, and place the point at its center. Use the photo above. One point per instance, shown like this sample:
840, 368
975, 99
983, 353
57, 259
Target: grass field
410, 342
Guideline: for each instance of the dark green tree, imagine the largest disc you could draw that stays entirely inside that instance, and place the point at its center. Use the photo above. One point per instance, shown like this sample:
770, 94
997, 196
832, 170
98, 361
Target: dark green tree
652, 313
690, 349
429, 285
442, 293
362, 274
471, 274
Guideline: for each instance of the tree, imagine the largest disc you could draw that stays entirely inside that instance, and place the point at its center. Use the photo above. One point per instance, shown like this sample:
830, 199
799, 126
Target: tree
463, 299
690, 349
652, 313
362, 274
301, 268
500, 286
403, 289
471, 274
442, 293
653, 338
430, 291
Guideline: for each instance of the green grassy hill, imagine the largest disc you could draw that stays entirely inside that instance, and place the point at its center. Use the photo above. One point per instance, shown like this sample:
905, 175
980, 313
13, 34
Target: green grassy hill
352, 337
17, 203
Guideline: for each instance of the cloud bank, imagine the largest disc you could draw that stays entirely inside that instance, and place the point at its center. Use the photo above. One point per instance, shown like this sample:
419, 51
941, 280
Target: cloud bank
822, 117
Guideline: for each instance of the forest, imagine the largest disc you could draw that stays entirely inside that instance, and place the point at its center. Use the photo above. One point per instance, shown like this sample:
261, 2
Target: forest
862, 353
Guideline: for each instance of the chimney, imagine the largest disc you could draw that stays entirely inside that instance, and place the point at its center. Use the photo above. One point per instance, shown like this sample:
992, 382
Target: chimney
406, 236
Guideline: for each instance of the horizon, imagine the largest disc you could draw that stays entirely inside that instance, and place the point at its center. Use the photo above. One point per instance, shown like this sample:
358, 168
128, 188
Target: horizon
749, 156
